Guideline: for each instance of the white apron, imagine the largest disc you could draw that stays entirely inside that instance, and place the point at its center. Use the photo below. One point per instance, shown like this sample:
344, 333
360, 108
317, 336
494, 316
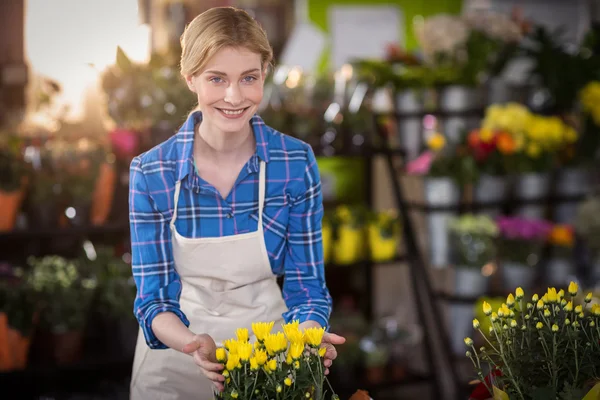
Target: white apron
227, 283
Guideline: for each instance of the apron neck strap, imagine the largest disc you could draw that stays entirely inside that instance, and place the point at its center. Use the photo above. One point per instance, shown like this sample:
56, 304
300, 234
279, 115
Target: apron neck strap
176, 201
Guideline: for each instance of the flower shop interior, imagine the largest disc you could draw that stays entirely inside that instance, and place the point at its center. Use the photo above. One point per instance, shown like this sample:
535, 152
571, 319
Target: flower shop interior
457, 143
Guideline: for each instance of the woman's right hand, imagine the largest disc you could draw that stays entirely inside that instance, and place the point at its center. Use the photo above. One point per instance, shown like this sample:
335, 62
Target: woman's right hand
203, 348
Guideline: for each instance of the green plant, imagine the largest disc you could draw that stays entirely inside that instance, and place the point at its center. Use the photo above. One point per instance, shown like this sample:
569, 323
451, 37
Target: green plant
18, 301
546, 348
474, 240
12, 165
65, 292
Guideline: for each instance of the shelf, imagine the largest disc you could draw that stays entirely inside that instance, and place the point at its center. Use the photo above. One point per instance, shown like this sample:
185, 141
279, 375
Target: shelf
364, 264
35, 381
410, 379
478, 206
109, 229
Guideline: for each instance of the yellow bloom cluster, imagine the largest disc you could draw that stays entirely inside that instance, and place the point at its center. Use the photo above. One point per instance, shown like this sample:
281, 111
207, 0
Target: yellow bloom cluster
561, 335
532, 134
278, 364
590, 100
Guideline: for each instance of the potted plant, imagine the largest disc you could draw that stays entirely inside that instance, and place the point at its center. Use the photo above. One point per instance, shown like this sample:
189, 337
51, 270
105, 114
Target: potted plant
13, 173
113, 303
349, 235
376, 358
521, 242
18, 310
546, 348
587, 226
560, 268
384, 235
65, 292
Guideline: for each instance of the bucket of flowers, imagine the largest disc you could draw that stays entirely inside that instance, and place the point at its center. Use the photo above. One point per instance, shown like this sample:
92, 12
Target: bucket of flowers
544, 348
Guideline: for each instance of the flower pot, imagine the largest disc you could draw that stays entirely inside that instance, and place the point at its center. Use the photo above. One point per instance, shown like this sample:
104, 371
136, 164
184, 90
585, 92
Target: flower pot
570, 182
459, 98
454, 127
10, 204
382, 248
104, 191
532, 187
409, 106
68, 347
440, 192
349, 245
490, 189
516, 275
559, 271
14, 346
469, 282
461, 325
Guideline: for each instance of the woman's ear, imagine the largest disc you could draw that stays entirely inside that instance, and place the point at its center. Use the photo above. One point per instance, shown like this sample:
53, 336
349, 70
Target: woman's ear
190, 82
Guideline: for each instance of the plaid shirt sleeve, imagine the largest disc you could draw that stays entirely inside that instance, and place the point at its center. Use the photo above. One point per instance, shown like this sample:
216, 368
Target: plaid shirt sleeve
304, 288
158, 284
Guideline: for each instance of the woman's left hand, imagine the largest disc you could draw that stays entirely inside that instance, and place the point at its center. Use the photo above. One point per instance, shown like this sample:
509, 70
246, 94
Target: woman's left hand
330, 340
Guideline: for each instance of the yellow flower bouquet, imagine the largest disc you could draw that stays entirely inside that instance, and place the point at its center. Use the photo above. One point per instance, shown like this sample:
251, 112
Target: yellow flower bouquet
545, 348
284, 365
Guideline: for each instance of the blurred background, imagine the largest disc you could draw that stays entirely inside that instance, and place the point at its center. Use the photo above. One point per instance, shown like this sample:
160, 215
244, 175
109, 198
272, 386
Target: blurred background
457, 142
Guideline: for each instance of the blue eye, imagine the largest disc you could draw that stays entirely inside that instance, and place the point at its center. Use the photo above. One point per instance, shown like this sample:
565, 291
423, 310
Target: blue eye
249, 79
216, 79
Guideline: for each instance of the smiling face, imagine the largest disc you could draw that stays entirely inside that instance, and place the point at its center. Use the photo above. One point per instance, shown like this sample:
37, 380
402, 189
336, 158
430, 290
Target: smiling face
229, 89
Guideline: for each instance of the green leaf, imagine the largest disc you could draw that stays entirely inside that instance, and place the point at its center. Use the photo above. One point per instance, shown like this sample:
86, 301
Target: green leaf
500, 394
123, 62
594, 393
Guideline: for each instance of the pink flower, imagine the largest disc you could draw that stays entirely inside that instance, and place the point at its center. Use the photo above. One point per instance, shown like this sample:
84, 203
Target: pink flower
420, 165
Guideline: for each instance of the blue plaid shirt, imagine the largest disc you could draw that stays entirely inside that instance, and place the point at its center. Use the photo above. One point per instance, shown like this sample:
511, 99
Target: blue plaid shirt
292, 217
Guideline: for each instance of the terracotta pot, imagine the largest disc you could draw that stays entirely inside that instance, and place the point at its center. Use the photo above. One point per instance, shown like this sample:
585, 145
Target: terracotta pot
14, 347
68, 347
375, 375
103, 194
10, 204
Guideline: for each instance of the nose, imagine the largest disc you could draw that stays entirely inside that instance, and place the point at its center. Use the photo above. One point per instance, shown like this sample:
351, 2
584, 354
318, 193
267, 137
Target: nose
233, 95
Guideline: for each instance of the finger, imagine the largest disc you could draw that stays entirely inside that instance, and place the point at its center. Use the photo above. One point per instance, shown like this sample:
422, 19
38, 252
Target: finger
328, 363
331, 353
206, 364
191, 347
333, 338
213, 376
327, 371
219, 386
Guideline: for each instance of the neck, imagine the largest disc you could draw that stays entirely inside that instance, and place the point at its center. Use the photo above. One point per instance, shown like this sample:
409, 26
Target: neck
220, 145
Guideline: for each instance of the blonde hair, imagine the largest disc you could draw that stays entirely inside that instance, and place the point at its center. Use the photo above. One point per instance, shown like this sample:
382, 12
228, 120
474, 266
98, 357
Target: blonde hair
216, 29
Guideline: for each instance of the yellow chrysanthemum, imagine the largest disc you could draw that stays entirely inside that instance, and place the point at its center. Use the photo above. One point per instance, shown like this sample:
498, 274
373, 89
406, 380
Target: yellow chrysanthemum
588, 297
262, 329
314, 336
322, 351
547, 313
245, 351
275, 343
534, 298
533, 150
291, 327
253, 364
231, 345
519, 293
510, 300
234, 394
436, 142
225, 373
288, 359
469, 341
554, 328
561, 293
475, 323
540, 304
578, 309
242, 335
296, 364
233, 362
296, 350
573, 288
552, 295
513, 323
261, 356
539, 325
596, 310
272, 364
221, 354
569, 306
287, 381
494, 317
487, 308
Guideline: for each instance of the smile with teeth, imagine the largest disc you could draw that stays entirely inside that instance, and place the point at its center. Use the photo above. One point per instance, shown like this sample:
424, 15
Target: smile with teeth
232, 112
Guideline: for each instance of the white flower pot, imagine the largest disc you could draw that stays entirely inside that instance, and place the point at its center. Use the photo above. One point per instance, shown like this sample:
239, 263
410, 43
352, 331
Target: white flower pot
570, 182
532, 186
490, 189
469, 282
461, 326
516, 275
559, 272
442, 192
458, 98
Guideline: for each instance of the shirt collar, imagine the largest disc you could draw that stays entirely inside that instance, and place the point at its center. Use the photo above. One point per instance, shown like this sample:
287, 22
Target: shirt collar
184, 143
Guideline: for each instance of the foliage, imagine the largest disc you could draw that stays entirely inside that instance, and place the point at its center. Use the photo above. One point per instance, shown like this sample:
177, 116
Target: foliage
12, 165
474, 240
65, 292
18, 301
283, 365
548, 347
140, 96
451, 160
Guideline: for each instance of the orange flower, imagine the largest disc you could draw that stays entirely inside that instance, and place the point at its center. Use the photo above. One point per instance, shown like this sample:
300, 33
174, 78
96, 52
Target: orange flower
562, 235
473, 139
505, 143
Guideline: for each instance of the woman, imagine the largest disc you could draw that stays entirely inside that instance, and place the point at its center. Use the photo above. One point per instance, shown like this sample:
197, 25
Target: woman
218, 210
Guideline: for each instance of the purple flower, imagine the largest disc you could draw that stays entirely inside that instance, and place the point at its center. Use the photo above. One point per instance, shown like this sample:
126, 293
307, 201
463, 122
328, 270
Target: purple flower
523, 228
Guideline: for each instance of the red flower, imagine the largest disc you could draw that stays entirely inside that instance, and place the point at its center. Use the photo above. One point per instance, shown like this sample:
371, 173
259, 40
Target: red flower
481, 392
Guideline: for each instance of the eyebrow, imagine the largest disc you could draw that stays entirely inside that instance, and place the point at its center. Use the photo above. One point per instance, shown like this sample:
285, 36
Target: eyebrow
224, 74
